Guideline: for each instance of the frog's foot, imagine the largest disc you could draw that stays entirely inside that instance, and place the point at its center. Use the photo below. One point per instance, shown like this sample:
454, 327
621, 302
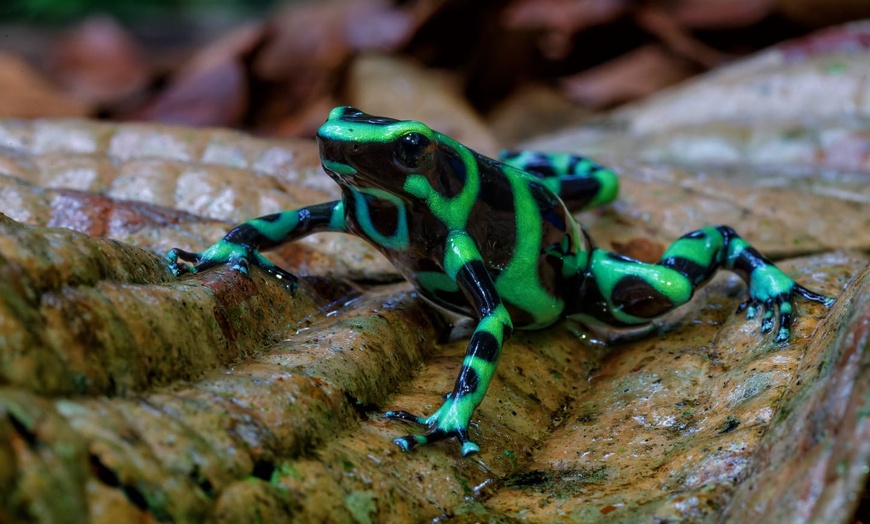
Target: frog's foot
771, 290
237, 256
451, 420
178, 267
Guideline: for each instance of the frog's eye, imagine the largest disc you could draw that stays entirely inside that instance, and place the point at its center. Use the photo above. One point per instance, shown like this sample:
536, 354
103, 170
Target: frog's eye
410, 149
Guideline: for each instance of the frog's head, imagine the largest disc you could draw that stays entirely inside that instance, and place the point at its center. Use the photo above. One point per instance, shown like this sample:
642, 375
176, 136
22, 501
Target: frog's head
364, 151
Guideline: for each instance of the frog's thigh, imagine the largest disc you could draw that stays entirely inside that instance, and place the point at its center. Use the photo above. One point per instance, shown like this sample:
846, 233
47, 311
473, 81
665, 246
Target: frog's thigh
634, 291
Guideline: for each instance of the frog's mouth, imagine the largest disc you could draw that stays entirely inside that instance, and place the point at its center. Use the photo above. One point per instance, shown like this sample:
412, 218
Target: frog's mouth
345, 163
333, 158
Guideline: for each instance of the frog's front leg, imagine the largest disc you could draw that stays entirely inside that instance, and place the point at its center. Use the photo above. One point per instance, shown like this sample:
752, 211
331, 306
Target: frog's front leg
623, 291
241, 247
463, 263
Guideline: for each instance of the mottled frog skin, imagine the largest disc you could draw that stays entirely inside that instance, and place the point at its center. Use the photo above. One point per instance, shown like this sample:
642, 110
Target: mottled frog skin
494, 240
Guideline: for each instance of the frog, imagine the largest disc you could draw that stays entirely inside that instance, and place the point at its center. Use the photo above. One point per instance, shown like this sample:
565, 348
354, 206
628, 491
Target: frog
494, 240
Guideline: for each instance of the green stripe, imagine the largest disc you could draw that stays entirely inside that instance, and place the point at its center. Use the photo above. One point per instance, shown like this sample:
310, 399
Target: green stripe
400, 239
338, 167
519, 282
342, 130
460, 250
277, 230
453, 212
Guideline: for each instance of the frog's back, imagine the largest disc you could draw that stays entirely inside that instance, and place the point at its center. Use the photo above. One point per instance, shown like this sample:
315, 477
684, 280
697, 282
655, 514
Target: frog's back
524, 234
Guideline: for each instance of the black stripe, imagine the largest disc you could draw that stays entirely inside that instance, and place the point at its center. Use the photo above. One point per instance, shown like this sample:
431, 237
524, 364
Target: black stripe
638, 298
554, 217
484, 345
620, 258
699, 235
384, 215
540, 166
694, 271
467, 383
590, 300
353, 115
727, 232
557, 220
451, 172
311, 219
495, 189
476, 281
577, 191
247, 235
508, 154
748, 261
592, 167
274, 217
317, 215
573, 162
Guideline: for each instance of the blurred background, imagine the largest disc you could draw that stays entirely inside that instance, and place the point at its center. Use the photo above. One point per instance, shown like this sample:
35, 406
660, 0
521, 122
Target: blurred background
517, 68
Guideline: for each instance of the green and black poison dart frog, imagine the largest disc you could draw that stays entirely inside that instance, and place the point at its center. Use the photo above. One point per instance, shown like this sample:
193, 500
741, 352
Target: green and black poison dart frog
494, 240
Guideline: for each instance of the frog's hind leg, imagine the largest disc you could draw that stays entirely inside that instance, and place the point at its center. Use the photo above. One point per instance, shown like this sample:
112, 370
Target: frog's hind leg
621, 291
580, 182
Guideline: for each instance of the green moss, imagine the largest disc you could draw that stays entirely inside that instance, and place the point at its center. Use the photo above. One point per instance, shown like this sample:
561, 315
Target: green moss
284, 470
362, 505
508, 454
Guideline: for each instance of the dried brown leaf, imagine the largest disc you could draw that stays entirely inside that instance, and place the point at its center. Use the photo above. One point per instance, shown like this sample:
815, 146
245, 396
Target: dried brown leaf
632, 76
24, 93
563, 16
99, 62
678, 39
533, 110
715, 14
212, 89
819, 13
319, 37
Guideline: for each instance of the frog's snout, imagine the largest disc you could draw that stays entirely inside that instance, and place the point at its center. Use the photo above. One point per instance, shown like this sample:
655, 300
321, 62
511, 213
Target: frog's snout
330, 149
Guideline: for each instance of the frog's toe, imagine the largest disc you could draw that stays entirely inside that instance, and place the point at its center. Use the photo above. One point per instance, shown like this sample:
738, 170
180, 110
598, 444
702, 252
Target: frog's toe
409, 442
784, 332
181, 268
406, 417
241, 265
175, 260
433, 434
750, 306
469, 448
815, 297
769, 315
785, 309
